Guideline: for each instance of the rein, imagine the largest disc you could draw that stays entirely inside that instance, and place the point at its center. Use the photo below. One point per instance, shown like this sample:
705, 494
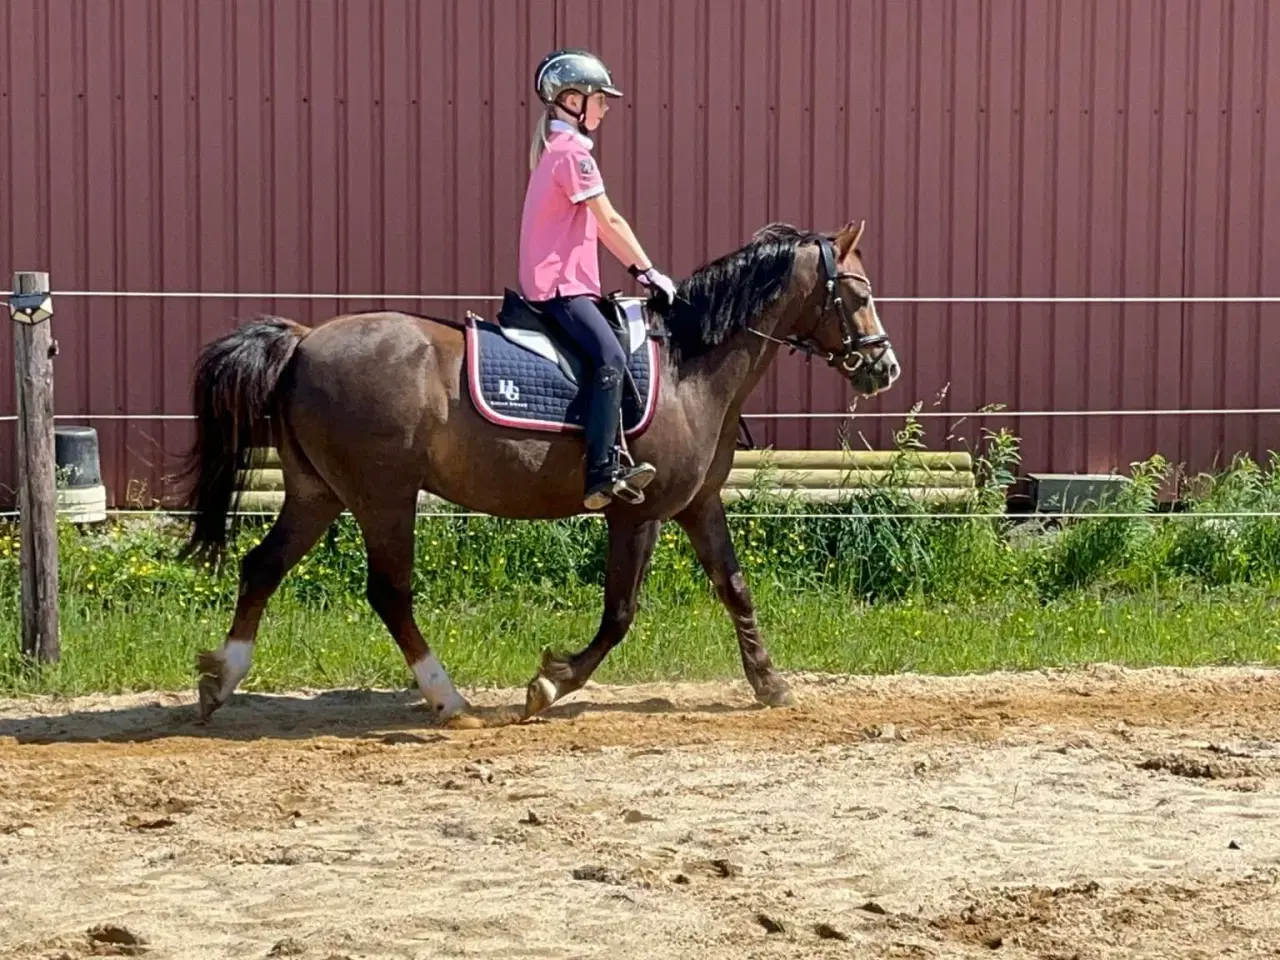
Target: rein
850, 357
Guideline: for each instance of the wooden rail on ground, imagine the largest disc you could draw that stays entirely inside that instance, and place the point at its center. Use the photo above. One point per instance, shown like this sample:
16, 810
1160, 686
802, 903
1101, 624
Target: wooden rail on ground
810, 476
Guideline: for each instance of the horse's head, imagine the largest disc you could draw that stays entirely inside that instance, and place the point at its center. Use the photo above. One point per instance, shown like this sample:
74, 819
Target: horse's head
809, 290
844, 324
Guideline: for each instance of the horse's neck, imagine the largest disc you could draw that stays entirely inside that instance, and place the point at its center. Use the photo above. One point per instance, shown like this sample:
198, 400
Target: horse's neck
720, 382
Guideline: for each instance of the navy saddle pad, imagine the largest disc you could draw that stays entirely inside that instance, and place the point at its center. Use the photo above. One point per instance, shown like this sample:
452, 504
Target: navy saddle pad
520, 376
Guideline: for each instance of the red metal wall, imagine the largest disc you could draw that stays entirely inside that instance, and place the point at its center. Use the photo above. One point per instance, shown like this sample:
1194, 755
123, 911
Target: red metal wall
995, 147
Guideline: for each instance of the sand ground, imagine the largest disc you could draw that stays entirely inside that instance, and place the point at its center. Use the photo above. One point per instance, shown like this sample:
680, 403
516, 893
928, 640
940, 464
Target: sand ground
1094, 813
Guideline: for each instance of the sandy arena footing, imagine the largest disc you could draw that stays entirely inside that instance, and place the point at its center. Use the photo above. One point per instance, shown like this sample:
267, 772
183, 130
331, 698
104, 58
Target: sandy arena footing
1094, 813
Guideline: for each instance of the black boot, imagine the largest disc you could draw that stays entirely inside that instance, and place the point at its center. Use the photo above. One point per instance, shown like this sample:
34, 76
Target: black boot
606, 477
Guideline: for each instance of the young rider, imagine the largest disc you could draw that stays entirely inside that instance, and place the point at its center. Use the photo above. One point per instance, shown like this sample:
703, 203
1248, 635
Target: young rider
566, 211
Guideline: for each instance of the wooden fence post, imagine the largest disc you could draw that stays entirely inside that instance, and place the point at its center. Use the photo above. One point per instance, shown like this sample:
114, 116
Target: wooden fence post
31, 308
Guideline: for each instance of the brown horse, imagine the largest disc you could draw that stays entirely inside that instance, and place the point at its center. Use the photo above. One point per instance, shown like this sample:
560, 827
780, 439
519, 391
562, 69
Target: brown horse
368, 409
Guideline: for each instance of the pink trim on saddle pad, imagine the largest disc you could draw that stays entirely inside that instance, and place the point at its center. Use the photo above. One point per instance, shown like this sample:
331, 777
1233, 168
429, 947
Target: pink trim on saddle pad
549, 426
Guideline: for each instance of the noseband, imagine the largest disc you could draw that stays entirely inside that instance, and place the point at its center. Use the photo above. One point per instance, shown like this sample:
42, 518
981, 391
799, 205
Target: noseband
850, 357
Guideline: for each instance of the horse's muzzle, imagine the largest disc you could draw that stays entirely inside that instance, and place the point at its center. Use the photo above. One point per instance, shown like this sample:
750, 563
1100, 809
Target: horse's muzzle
876, 373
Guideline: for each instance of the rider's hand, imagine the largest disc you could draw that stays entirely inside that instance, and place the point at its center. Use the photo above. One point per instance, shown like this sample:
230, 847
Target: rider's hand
657, 281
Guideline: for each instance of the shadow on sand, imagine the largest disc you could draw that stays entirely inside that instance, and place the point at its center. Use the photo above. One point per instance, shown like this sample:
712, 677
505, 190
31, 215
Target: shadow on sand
354, 714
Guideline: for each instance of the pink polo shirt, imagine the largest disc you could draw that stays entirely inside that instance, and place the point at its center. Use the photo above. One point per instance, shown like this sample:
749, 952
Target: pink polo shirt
558, 232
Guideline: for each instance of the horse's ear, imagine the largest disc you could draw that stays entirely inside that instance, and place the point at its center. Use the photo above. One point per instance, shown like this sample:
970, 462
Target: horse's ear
849, 236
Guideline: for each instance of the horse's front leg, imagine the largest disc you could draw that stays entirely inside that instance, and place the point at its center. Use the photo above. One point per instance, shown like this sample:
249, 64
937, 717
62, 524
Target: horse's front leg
704, 522
631, 545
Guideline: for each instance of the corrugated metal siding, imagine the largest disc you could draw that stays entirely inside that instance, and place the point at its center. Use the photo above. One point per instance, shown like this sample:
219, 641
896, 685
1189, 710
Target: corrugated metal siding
996, 147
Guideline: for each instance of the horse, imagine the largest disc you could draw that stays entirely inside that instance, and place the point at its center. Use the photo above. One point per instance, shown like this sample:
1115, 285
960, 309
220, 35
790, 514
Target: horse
366, 410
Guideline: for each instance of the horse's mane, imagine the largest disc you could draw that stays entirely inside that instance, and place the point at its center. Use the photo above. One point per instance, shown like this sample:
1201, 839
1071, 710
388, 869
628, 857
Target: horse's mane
725, 294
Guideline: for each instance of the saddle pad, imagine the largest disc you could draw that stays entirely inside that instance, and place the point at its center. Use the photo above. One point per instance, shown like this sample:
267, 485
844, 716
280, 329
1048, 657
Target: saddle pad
512, 386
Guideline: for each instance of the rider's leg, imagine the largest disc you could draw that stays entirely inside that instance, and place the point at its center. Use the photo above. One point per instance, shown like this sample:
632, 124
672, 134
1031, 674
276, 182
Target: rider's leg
582, 320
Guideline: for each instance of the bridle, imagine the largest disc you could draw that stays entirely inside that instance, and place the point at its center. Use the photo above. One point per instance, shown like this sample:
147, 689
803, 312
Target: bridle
850, 357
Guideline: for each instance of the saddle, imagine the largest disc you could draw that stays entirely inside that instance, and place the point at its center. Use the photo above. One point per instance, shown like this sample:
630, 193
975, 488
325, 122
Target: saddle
532, 328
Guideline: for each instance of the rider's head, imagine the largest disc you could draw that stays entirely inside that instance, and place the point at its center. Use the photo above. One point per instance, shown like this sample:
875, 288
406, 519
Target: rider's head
575, 86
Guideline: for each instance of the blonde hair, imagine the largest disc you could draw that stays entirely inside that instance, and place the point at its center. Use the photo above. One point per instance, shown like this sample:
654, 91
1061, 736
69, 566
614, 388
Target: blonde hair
541, 131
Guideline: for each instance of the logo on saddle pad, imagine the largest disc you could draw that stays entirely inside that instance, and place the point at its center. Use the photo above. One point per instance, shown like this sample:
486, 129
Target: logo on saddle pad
509, 392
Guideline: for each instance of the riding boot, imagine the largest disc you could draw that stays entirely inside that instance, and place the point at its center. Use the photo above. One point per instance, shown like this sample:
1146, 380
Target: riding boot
606, 477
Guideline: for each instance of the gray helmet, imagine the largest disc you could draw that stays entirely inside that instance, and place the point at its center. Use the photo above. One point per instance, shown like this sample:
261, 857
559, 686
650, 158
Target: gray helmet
579, 70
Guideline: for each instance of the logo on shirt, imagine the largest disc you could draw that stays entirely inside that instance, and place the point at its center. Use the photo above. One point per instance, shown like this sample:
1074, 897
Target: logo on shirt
587, 166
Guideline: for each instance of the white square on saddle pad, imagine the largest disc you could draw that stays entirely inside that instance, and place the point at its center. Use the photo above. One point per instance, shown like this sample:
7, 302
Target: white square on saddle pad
633, 310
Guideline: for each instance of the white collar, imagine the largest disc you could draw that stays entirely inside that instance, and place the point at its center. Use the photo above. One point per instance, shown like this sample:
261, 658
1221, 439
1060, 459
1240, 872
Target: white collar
559, 126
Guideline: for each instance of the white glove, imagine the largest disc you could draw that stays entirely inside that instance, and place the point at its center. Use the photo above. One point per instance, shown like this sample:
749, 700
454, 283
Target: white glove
655, 279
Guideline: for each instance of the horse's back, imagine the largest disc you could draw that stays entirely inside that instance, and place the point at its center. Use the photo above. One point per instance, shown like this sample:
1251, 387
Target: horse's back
368, 377
386, 334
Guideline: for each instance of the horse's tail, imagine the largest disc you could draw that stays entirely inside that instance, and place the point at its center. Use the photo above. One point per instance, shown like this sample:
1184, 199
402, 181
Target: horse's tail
233, 395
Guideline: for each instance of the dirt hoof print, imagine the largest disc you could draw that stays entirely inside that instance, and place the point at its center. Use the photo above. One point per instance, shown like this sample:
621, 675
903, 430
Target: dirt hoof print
825, 931
773, 924
594, 873
1200, 768
112, 940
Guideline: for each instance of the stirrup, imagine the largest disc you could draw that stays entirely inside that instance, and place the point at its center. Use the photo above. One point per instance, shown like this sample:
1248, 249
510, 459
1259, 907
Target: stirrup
628, 493
601, 497
635, 475
627, 484
638, 476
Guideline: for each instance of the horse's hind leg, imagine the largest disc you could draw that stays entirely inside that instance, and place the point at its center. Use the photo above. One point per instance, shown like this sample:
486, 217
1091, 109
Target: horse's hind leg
297, 528
388, 527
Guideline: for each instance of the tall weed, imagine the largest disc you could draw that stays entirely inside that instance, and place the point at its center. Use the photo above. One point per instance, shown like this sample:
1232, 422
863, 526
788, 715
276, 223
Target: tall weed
845, 549
1090, 550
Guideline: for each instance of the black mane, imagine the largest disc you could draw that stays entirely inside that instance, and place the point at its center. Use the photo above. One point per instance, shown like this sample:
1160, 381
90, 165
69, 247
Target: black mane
727, 293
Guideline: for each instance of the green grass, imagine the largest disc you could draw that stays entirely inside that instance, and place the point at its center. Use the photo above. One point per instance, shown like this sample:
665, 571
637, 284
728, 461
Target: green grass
846, 592
497, 642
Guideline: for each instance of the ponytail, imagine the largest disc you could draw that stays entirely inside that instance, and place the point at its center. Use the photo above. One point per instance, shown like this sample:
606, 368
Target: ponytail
541, 131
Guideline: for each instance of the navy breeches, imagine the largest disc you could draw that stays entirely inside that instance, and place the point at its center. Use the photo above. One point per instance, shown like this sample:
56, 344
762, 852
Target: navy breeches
582, 322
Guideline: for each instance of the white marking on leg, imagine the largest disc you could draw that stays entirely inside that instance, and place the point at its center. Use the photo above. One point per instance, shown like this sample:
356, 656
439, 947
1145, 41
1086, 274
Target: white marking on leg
437, 689
237, 655
546, 689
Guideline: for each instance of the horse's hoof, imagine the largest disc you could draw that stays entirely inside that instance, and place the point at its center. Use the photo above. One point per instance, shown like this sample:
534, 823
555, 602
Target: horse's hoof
465, 721
540, 694
784, 698
209, 669
209, 702
455, 713
775, 693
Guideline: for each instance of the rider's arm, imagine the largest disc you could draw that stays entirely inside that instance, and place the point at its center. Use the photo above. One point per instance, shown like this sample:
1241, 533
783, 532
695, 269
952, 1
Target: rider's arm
581, 181
616, 234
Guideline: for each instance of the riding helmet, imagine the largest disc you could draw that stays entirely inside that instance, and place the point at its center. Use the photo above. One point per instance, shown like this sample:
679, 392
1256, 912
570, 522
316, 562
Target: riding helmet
567, 69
